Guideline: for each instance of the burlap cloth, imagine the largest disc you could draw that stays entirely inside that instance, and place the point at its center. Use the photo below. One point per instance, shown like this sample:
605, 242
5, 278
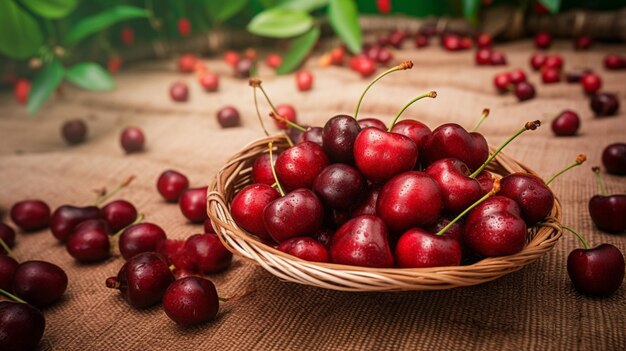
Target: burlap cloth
533, 309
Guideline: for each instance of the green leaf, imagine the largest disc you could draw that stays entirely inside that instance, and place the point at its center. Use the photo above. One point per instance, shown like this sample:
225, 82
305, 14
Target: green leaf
344, 18
552, 5
102, 20
470, 10
298, 50
20, 36
223, 10
280, 23
50, 8
304, 5
90, 76
44, 84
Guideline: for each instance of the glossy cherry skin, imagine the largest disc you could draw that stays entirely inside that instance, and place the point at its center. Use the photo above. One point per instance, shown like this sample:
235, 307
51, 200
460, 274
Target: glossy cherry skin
364, 66
22, 326
305, 248
89, 241
566, 123
607, 212
39, 283
591, 83
532, 195
483, 56
231, 57
192, 204
493, 205
262, 170
74, 131
458, 190
381, 155
498, 234
518, 76
228, 117
340, 186
288, 112
312, 134
524, 91
209, 81
497, 58
298, 213
614, 158
502, 82
247, 208
273, 60
485, 179
338, 138
553, 62
7, 234
537, 60
484, 40
614, 62
190, 301
65, 218
452, 140
410, 199
304, 80
418, 248
550, 75
179, 92
417, 131
368, 205
207, 253
140, 237
143, 279
596, 271
372, 122
604, 104
119, 214
543, 40
30, 215
171, 185
362, 241
7, 270
132, 140
298, 166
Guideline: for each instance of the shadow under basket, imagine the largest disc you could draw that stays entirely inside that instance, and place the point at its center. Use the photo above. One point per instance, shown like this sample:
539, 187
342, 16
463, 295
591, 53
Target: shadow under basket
236, 174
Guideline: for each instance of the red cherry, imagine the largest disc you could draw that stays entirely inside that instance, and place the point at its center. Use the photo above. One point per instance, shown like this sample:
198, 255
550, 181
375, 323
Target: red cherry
418, 248
484, 40
127, 36
566, 123
179, 91
604, 104
132, 140
537, 60
305, 248
417, 131
114, 64
209, 81
247, 208
596, 271
7, 269
207, 253
304, 80
607, 211
383, 6
208, 226
22, 326
228, 117
273, 60
554, 62
298, 213
614, 62
499, 233
187, 63
591, 83
140, 237
372, 122
30, 215
362, 241
39, 283
524, 91
119, 214
193, 205
421, 41
231, 57
497, 58
66, 217
337, 55
21, 89
543, 40
550, 75
184, 27
531, 193
190, 301
458, 190
298, 166
368, 205
7, 234
89, 241
243, 68
262, 171
171, 184
614, 158
502, 81
451, 42
338, 138
288, 112
339, 186
483, 56
517, 76
582, 42
364, 66
74, 131
452, 140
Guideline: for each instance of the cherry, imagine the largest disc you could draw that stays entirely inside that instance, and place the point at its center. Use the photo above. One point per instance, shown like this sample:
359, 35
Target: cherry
502, 81
228, 117
336, 56
566, 123
119, 214
231, 58
458, 190
537, 60
543, 40
380, 155
607, 211
452, 140
364, 66
397, 38
207, 253
550, 75
262, 171
384, 56
74, 131
614, 158
190, 301
243, 68
247, 208
614, 62
171, 185
362, 241
451, 42
554, 62
305, 248
7, 235
415, 130
140, 237
517, 76
484, 40
530, 192
39, 283
21, 89
114, 64
132, 140
30, 215
7, 270
66, 217
143, 279
313, 134
208, 226
273, 60
299, 213
338, 138
286, 111
184, 27
604, 104
22, 326
209, 81
372, 122
179, 91
591, 83
174, 253
192, 203
576, 75
89, 241
304, 80
298, 166
421, 41
497, 58
483, 56
418, 248
582, 42
368, 205
339, 186
127, 35
524, 91
454, 230
324, 236
187, 63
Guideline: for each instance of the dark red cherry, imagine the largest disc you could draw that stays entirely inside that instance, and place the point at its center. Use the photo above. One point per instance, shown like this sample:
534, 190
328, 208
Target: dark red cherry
298, 166
543, 40
451, 42
143, 279
119, 214
497, 58
582, 42
380, 155
340, 186
604, 104
537, 60
368, 205
566, 123
455, 231
421, 41
39, 283
140, 237
596, 271
288, 112
8, 265
208, 226
209, 81
362, 241
575, 76
607, 212
243, 68
132, 140
313, 134
553, 62
179, 92
550, 75
338, 138
531, 193
517, 76
372, 122
22, 326
74, 131
484, 40
614, 62
66, 217
458, 190
89, 241
524, 91
452, 140
418, 248
30, 215
397, 37
248, 205
171, 185
304, 80
207, 253
591, 83
228, 117
192, 203
324, 237
298, 213
190, 301
500, 233
614, 158
262, 170
7, 234
305, 248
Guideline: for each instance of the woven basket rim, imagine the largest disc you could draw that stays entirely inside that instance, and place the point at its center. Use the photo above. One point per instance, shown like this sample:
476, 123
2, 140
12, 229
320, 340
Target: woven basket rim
286, 266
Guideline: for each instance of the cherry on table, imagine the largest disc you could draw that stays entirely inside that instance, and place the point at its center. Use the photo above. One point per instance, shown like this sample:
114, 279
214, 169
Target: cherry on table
582, 42
7, 270
89, 241
543, 40
497, 58
483, 56
364, 66
614, 158
288, 112
30, 215
119, 214
524, 91
192, 203
502, 81
190, 301
550, 75
228, 116
517, 76
421, 41
566, 123
484, 40
66, 217
577, 75
304, 80
591, 83
537, 60
243, 68
7, 234
604, 104
614, 62
187, 63
21, 90
74, 131
553, 62
306, 248
171, 185
132, 140
231, 57
607, 211
140, 237
362, 241
39, 283
22, 326
207, 253
273, 60
209, 81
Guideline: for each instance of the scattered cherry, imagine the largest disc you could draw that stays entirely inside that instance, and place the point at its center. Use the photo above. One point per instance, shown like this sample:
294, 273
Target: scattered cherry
30, 215
550, 75
243, 68
502, 81
140, 237
171, 185
184, 27
543, 40
484, 40
483, 56
607, 211
614, 62
207, 253
537, 60
127, 35
566, 123
554, 62
517, 76
192, 204
614, 158
304, 80
132, 140
190, 301
187, 63
524, 91
7, 234
228, 117
421, 41
21, 89
74, 131
497, 58
119, 214
231, 58
39, 283
286, 111
89, 241
273, 60
582, 42
22, 326
209, 81
7, 270
179, 92
66, 217
604, 104
591, 83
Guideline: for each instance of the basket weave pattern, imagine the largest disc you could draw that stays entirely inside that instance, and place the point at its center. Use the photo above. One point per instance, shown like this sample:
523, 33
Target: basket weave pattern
236, 174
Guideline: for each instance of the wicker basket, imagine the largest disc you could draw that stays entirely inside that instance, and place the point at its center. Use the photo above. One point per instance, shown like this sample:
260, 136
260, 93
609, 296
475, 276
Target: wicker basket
236, 174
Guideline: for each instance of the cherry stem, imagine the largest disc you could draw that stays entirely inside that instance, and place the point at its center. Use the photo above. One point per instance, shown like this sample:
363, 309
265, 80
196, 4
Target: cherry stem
11, 296
404, 65
483, 117
119, 232
579, 161
289, 141
580, 237
528, 126
112, 283
494, 190
430, 94
258, 113
288, 122
256, 83
596, 170
103, 197
7, 249
280, 188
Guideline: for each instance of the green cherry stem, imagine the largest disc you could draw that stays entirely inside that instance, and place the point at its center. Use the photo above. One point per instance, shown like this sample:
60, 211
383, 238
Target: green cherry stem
494, 190
280, 188
288, 122
580, 237
7, 249
404, 65
103, 197
430, 94
580, 159
528, 126
11, 296
596, 170
258, 113
256, 83
482, 118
